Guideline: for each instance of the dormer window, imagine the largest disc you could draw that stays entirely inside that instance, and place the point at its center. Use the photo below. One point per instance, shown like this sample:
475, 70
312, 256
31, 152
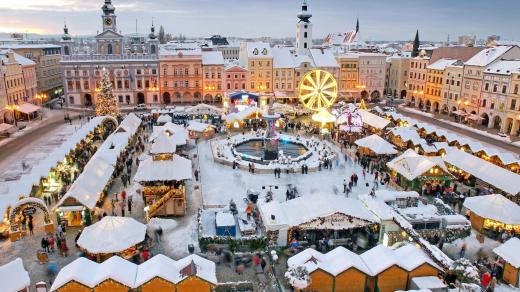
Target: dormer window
255, 51
264, 51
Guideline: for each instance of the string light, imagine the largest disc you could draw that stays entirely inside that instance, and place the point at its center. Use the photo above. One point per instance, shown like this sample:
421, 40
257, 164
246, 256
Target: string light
106, 103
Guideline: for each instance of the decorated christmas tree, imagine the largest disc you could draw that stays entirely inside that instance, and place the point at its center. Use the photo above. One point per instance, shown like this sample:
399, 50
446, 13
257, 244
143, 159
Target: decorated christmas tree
106, 103
362, 105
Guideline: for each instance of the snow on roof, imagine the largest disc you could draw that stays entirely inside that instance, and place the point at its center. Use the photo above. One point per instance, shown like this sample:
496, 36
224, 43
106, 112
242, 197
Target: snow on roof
257, 50
30, 46
376, 144
324, 58
224, 219
411, 257
282, 58
504, 67
510, 252
18, 58
390, 195
486, 171
495, 207
429, 282
179, 168
241, 115
334, 262
407, 134
198, 126
203, 108
112, 235
178, 133
131, 123
411, 165
300, 210
378, 259
373, 120
212, 58
163, 144
441, 64
14, 277
184, 48
28, 108
300, 59
164, 118
378, 207
90, 273
487, 56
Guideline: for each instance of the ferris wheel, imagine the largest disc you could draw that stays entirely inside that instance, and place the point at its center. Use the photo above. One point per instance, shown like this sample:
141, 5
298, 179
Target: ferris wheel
318, 90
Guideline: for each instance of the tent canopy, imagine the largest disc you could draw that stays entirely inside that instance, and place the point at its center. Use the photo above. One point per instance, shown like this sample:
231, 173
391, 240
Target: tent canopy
411, 165
112, 235
179, 168
164, 118
376, 144
163, 144
28, 108
495, 207
373, 120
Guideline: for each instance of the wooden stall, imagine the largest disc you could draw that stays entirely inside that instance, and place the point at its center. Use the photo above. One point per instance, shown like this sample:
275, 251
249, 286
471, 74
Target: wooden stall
493, 213
509, 252
351, 280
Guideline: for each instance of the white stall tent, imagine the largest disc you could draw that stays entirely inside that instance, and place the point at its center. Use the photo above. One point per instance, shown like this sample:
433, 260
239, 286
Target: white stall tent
112, 235
163, 144
14, 277
488, 172
198, 127
177, 169
164, 118
510, 252
377, 145
495, 207
373, 120
411, 165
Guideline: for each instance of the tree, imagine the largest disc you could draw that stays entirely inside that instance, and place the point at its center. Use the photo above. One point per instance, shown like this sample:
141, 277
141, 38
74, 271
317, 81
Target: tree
416, 43
106, 103
162, 35
298, 277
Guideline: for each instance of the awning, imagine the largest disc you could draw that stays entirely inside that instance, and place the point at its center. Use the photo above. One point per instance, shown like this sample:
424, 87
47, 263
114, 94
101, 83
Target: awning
4, 128
474, 117
460, 113
28, 108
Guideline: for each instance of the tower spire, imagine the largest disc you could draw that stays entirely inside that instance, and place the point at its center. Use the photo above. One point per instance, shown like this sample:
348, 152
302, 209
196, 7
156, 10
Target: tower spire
416, 44
304, 15
357, 25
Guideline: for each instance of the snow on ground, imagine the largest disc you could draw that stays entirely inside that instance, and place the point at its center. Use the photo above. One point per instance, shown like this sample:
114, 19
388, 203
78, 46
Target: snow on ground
220, 183
506, 288
473, 246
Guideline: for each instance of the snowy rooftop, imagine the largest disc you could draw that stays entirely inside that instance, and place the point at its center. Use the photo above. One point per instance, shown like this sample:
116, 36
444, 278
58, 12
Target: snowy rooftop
376, 144
487, 56
504, 67
510, 252
112, 235
302, 210
177, 133
373, 120
30, 46
212, 58
486, 171
177, 169
441, 64
18, 58
203, 108
258, 50
184, 48
324, 58
411, 165
91, 274
163, 144
198, 126
495, 207
282, 58
300, 59
164, 118
13, 276
224, 219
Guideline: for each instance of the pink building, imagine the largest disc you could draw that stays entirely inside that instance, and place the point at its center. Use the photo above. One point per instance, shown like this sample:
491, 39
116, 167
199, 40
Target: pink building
236, 78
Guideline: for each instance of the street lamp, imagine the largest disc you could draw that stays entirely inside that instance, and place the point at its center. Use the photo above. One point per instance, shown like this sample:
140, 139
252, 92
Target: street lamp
12, 108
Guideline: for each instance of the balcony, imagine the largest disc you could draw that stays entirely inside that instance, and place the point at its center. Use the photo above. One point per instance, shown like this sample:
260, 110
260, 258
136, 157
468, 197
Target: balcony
100, 57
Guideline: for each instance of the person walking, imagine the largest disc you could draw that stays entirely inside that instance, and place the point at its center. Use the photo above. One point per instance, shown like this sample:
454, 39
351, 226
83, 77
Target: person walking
462, 250
31, 226
345, 185
123, 203
263, 263
196, 175
129, 203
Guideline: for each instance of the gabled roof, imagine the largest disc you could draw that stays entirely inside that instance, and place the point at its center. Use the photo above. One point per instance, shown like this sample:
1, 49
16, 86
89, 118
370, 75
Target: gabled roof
282, 58
510, 252
163, 144
212, 58
108, 34
324, 58
495, 207
487, 56
13, 276
441, 64
411, 165
258, 50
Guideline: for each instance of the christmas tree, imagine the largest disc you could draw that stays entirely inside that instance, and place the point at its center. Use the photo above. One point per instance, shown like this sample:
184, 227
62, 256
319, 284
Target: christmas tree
106, 103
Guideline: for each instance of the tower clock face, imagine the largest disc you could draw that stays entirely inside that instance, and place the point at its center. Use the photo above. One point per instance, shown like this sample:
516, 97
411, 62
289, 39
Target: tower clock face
108, 21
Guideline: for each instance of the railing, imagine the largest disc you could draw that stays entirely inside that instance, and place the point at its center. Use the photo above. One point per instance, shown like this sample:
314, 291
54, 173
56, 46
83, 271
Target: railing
165, 198
100, 57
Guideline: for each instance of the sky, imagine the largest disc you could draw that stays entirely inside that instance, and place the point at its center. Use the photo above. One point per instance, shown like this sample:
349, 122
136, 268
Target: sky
379, 19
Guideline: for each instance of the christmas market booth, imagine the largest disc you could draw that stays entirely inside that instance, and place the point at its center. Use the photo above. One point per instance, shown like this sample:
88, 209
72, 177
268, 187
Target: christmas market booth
404, 137
509, 252
205, 112
122, 236
374, 145
379, 269
373, 122
76, 207
249, 116
14, 277
160, 273
416, 172
162, 176
344, 221
493, 214
200, 130
164, 119
177, 133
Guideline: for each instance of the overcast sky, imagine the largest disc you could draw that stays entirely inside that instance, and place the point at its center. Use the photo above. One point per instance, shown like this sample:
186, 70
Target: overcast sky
379, 19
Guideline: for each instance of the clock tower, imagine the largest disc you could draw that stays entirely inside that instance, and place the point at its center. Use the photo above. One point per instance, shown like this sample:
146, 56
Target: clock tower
109, 18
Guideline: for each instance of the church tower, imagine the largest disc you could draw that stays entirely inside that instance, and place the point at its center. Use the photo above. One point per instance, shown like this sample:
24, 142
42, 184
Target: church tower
303, 30
109, 17
66, 42
109, 42
153, 41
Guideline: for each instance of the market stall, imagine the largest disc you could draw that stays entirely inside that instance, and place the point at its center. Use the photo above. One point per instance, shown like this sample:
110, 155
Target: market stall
493, 213
110, 236
416, 172
249, 116
14, 277
509, 252
311, 220
163, 119
177, 133
374, 145
200, 130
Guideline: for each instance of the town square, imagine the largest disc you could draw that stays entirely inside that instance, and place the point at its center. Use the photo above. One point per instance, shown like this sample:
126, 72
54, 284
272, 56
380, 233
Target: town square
204, 155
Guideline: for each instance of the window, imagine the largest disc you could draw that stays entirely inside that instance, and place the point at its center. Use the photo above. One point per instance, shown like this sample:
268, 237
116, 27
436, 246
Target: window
515, 91
504, 89
187, 84
120, 97
165, 71
513, 104
155, 98
154, 71
495, 88
186, 71
486, 87
252, 85
86, 85
71, 99
229, 85
305, 34
138, 71
119, 84
147, 83
139, 84
304, 45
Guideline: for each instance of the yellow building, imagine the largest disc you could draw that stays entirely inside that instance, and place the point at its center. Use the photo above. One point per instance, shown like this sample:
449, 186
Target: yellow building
452, 86
417, 81
213, 76
348, 75
257, 58
435, 101
397, 76
283, 75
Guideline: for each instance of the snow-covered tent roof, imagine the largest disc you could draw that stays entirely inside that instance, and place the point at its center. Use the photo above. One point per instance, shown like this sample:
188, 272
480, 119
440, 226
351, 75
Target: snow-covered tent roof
390, 195
241, 115
495, 207
411, 165
198, 126
376, 144
488, 172
178, 133
204, 109
224, 219
91, 274
163, 144
407, 134
378, 259
408, 257
382, 210
164, 118
179, 168
14, 277
131, 123
334, 262
301, 210
510, 252
112, 235
28, 108
373, 120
